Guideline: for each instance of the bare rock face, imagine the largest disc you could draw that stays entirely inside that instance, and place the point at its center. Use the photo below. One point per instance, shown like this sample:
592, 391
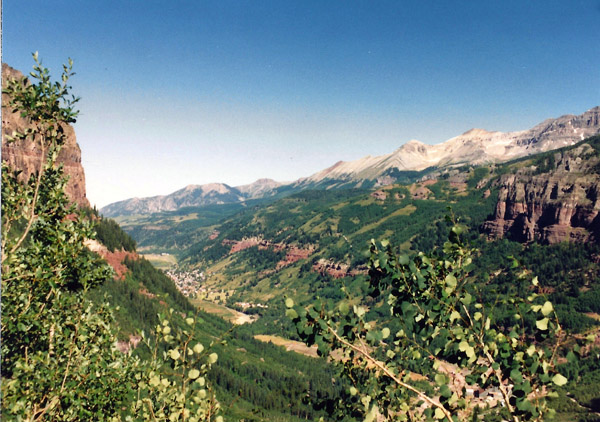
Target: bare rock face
26, 155
554, 204
562, 131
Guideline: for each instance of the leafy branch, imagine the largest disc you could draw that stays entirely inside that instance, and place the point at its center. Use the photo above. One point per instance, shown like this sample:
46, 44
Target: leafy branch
442, 333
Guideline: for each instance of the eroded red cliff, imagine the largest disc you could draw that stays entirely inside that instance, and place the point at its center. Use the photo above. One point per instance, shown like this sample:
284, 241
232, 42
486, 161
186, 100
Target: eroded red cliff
558, 203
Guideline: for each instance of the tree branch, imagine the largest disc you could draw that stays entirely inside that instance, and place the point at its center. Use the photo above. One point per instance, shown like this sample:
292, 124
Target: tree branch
33, 203
391, 375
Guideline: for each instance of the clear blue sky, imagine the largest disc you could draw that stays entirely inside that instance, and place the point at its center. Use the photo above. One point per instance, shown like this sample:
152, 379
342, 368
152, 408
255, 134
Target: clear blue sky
182, 92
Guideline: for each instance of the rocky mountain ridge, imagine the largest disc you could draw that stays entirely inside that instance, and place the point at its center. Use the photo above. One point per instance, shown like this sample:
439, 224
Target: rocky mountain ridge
26, 155
476, 146
192, 195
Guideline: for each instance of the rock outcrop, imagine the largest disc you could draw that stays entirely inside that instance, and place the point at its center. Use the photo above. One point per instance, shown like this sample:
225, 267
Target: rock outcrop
26, 155
557, 200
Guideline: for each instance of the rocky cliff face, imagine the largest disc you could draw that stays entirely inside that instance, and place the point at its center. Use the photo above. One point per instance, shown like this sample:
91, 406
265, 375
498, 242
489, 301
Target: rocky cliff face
26, 155
556, 200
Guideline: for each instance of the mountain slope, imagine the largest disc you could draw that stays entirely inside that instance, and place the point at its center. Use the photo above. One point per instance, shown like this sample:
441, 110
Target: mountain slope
142, 292
310, 243
260, 253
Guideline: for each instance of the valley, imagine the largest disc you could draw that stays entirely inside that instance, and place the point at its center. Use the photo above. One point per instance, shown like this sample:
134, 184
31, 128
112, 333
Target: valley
309, 244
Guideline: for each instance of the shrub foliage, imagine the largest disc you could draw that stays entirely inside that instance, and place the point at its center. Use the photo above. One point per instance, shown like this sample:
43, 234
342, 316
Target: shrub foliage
439, 344
59, 355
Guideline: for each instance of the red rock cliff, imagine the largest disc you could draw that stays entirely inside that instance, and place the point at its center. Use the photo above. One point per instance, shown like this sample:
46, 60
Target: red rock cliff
559, 204
26, 156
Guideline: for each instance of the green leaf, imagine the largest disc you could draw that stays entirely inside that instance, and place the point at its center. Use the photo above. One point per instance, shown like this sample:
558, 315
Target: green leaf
547, 308
450, 280
440, 379
454, 316
359, 310
289, 302
542, 324
559, 380
385, 333
525, 406
516, 375
445, 391
470, 352
372, 415
467, 299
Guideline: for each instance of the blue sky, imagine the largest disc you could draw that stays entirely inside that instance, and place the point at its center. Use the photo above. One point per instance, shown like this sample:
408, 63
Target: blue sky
193, 92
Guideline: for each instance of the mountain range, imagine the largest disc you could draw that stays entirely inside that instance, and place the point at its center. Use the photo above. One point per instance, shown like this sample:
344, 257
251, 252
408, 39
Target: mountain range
193, 196
476, 146
410, 162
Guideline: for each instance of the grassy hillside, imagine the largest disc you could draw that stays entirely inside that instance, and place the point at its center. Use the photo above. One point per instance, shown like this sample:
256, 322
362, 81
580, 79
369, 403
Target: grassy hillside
299, 244
255, 381
173, 231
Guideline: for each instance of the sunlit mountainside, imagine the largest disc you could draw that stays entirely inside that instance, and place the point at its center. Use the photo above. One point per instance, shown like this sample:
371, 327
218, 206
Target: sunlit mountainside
300, 211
